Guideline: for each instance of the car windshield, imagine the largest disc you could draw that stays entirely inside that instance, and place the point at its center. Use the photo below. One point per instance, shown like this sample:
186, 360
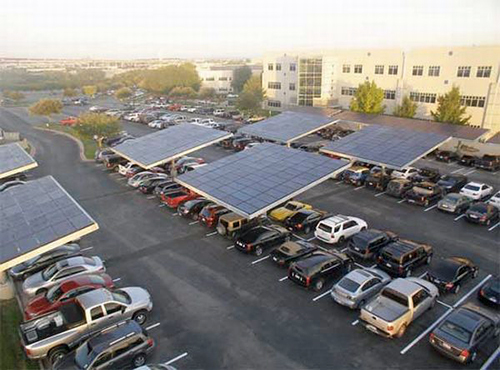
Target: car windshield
298, 217
49, 272
54, 294
291, 207
324, 227
456, 331
84, 356
395, 296
359, 242
348, 284
472, 187
121, 297
479, 208
452, 198
446, 178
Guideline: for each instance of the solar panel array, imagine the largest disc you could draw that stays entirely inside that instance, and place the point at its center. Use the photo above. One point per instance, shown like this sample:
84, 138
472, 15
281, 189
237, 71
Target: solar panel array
255, 180
35, 214
392, 147
287, 126
13, 157
165, 145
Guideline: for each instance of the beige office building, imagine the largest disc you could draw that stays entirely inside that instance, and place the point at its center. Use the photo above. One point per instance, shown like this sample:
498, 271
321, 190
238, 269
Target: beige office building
330, 79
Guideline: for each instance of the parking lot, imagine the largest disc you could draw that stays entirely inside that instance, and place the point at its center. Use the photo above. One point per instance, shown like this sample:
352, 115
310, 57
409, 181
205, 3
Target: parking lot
229, 310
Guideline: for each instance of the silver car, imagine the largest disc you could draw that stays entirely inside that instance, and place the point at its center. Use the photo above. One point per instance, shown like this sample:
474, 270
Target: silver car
358, 286
62, 270
136, 180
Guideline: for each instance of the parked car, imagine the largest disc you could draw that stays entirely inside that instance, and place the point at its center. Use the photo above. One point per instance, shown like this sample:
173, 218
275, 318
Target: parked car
424, 193
378, 178
399, 187
337, 229
400, 258
135, 180
291, 251
406, 173
495, 200
482, 213
454, 203
149, 185
44, 260
398, 304
356, 175
209, 215
305, 220
477, 191
467, 160
65, 292
462, 334
262, 237
188, 160
240, 144
452, 183
10, 184
446, 156
488, 162
192, 208
68, 121
188, 167
120, 346
367, 243
490, 292
123, 168
291, 207
147, 179
449, 274
111, 162
174, 199
427, 174
167, 188
233, 225
358, 286
100, 154
218, 112
314, 270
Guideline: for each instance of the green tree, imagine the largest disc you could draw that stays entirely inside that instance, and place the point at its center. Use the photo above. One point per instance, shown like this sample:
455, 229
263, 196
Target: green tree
368, 99
163, 80
449, 108
240, 77
97, 124
69, 92
252, 96
182, 92
46, 107
89, 90
207, 93
123, 93
408, 108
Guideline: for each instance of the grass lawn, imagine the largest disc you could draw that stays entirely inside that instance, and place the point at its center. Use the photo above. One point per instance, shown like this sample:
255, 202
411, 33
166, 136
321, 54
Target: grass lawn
89, 144
11, 353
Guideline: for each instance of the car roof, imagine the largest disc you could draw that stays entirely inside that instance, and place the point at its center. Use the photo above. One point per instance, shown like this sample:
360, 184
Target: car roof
359, 276
369, 234
94, 297
73, 261
400, 247
102, 341
404, 286
475, 183
231, 216
335, 220
467, 318
294, 246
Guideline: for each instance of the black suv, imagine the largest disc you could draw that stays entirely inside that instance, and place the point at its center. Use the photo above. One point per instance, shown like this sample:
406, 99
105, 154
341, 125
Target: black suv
428, 174
304, 220
424, 194
123, 345
313, 270
192, 208
259, 238
467, 160
401, 257
488, 162
452, 183
367, 243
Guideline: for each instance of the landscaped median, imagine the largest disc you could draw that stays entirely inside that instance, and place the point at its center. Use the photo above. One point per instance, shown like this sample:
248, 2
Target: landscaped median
89, 144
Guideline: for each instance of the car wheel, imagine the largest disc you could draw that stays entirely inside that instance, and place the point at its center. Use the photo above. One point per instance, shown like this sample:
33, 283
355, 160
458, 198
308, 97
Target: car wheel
194, 216
307, 230
341, 240
408, 273
361, 303
140, 317
318, 284
475, 273
258, 251
428, 260
56, 354
401, 331
139, 360
473, 357
456, 289
41, 291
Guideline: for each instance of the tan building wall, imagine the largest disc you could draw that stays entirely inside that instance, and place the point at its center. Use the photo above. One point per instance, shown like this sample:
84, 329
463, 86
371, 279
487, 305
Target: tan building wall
220, 80
285, 75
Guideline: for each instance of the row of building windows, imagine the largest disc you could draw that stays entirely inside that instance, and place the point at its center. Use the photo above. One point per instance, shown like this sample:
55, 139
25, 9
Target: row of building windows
473, 101
423, 97
274, 103
220, 79
271, 67
274, 85
462, 71
351, 91
379, 69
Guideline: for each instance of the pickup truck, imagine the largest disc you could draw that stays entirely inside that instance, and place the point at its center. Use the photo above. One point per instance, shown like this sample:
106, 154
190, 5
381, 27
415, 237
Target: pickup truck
398, 305
53, 335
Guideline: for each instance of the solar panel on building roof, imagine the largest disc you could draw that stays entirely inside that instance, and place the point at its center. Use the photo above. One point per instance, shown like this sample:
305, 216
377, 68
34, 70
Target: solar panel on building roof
38, 214
163, 146
388, 146
287, 126
256, 180
14, 159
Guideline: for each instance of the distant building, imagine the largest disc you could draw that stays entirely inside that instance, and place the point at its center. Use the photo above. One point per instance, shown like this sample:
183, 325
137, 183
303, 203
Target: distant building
220, 76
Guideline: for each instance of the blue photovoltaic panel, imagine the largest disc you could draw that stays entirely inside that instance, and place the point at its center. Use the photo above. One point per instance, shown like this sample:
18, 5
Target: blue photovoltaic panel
287, 126
165, 145
35, 214
14, 159
392, 147
257, 179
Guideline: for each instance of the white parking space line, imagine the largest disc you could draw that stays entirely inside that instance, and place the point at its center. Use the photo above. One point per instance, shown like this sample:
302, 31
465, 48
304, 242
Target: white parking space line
469, 172
211, 234
354, 323
379, 194
339, 182
373, 266
151, 197
153, 326
194, 222
116, 280
161, 205
422, 276
230, 247
443, 304
401, 201
490, 360
176, 359
298, 237
432, 207
322, 295
175, 214
283, 278
86, 249
343, 250
311, 239
359, 187
261, 259
359, 265
494, 226
459, 170
472, 291
459, 217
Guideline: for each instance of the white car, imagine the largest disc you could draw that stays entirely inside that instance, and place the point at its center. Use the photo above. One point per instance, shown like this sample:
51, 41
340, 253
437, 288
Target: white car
405, 173
476, 190
218, 112
338, 228
191, 110
495, 200
251, 145
208, 121
123, 168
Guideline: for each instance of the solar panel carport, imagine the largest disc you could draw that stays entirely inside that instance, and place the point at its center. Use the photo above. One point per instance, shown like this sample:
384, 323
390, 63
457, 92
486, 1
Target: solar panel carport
256, 180
166, 145
386, 146
287, 126
14, 159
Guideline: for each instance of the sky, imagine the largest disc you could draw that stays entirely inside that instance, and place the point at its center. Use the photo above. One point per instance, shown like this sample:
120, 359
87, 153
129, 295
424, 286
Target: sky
134, 29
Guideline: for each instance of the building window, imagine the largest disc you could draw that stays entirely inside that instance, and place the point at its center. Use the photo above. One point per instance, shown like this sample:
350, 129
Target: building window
348, 91
473, 101
423, 97
393, 70
270, 67
278, 66
346, 68
291, 87
274, 103
390, 94
310, 79
483, 72
222, 78
274, 85
210, 79
358, 68
418, 70
293, 67
379, 70
463, 71
434, 71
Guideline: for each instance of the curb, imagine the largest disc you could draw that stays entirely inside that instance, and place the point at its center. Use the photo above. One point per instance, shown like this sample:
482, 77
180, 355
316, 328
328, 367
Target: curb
79, 143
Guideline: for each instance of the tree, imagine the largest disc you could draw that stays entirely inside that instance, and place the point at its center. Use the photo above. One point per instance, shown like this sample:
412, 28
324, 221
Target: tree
97, 124
240, 77
450, 109
207, 93
183, 92
123, 93
69, 92
163, 80
368, 99
14, 95
89, 90
46, 107
408, 108
252, 96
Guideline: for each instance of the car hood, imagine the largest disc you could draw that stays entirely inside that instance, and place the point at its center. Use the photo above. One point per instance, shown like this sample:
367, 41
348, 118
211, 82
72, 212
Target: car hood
281, 213
34, 281
386, 309
36, 304
137, 295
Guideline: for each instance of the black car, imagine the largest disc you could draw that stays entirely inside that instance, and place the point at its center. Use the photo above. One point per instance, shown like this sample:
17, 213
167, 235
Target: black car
397, 188
482, 213
488, 162
149, 185
424, 193
44, 260
192, 208
292, 251
113, 161
378, 178
467, 160
261, 237
166, 188
401, 257
304, 220
452, 183
315, 269
427, 174
449, 274
367, 243
462, 334
446, 156
490, 292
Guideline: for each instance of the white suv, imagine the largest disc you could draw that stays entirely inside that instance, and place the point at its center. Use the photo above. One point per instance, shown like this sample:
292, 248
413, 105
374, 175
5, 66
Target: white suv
476, 190
336, 229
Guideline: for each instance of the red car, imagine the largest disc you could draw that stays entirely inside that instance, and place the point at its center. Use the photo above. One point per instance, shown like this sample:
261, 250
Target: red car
65, 292
173, 200
175, 107
210, 214
68, 121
